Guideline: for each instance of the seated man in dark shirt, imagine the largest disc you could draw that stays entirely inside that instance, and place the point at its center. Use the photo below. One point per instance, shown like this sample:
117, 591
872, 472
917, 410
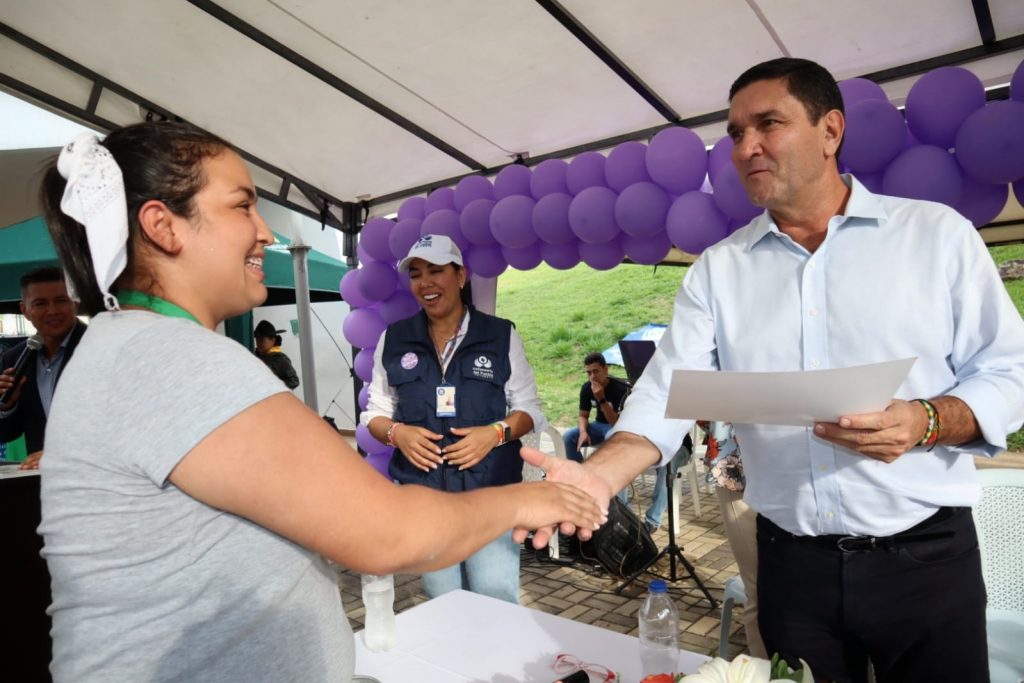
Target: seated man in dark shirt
268, 348
605, 393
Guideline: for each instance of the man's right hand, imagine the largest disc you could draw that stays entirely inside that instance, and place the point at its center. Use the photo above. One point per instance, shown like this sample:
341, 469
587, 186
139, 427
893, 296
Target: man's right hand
584, 440
570, 472
6, 382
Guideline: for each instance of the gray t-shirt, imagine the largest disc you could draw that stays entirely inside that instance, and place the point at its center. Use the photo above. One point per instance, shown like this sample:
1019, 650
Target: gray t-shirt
150, 584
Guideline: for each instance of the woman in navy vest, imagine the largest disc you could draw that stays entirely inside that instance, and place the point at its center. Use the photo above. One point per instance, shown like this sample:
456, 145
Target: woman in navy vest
452, 392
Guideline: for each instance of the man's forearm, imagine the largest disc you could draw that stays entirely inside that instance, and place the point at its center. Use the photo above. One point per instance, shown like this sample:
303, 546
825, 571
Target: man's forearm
609, 412
957, 422
621, 458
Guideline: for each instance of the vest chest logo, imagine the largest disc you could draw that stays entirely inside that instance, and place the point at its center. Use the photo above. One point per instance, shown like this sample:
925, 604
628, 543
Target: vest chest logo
409, 360
482, 368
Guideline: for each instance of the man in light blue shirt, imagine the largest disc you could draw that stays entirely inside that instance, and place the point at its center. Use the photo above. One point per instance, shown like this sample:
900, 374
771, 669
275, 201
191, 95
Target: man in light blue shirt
865, 540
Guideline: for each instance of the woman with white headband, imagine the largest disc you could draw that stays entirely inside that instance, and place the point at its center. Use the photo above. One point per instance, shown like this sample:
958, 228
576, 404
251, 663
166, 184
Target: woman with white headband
188, 496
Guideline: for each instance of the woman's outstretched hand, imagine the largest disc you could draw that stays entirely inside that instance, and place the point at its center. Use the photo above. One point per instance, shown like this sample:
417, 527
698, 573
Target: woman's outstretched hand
573, 474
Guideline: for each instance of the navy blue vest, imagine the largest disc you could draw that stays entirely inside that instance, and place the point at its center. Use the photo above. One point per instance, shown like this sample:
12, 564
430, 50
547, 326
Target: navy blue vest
478, 371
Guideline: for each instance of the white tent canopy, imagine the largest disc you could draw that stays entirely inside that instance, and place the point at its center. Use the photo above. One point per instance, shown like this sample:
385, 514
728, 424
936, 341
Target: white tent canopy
367, 101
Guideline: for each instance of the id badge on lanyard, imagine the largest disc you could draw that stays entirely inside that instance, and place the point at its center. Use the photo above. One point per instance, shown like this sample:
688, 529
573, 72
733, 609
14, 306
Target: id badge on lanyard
446, 401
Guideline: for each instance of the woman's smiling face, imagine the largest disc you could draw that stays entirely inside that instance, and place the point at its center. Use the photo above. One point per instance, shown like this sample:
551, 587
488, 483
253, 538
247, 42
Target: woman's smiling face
435, 287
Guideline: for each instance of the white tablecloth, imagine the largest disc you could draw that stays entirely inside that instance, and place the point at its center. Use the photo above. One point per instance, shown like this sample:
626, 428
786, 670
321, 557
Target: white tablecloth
463, 636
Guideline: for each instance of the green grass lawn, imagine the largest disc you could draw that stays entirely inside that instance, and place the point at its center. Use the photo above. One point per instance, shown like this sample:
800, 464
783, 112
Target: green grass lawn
563, 315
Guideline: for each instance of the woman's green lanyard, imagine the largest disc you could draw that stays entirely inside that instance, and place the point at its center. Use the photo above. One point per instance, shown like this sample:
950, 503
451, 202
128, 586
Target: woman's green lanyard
155, 304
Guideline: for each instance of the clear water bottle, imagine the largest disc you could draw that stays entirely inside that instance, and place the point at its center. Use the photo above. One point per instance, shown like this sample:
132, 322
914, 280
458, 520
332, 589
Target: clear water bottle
380, 633
659, 632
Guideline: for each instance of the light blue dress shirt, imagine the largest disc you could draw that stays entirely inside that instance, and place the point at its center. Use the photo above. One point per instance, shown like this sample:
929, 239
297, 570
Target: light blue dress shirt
894, 278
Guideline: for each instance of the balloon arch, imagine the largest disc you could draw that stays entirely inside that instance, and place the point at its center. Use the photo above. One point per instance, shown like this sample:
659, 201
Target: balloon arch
948, 146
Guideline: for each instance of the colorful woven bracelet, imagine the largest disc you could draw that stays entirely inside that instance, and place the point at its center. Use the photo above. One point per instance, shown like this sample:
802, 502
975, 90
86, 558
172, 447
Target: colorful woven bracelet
391, 434
931, 436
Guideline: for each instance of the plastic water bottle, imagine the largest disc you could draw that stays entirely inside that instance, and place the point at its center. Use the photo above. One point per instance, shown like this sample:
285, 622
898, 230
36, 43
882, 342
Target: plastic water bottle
380, 633
659, 632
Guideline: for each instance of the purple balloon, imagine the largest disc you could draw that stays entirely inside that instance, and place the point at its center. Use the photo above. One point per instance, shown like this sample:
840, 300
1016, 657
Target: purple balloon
377, 281
586, 170
440, 199
924, 172
525, 258
561, 256
641, 209
403, 236
604, 256
548, 178
910, 140
362, 328
627, 164
470, 189
362, 255
720, 155
981, 202
872, 181
512, 221
364, 397
694, 222
592, 215
363, 364
676, 160
856, 90
990, 144
1018, 191
551, 219
875, 133
413, 207
349, 288
486, 261
401, 305
940, 101
730, 195
1017, 83
380, 461
475, 221
445, 222
647, 251
365, 440
374, 238
511, 181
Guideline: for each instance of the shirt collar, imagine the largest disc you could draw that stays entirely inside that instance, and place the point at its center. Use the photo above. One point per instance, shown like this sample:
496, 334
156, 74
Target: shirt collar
862, 204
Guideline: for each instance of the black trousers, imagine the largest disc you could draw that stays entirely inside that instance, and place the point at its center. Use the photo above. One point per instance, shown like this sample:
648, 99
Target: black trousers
914, 604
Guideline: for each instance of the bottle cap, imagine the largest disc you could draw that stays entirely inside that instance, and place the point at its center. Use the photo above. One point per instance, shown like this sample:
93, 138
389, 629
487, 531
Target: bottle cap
658, 586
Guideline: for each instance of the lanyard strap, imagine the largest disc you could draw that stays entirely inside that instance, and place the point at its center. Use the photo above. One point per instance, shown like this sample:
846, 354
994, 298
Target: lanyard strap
449, 346
154, 303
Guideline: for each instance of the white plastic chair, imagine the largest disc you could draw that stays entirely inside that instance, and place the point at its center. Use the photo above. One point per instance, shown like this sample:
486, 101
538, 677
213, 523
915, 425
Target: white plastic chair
999, 518
735, 592
531, 473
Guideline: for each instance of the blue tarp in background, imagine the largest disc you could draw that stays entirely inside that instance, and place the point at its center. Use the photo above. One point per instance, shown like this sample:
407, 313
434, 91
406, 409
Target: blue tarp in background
650, 331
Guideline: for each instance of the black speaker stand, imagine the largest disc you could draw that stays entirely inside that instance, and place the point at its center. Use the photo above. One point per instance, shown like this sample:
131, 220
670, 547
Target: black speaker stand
673, 551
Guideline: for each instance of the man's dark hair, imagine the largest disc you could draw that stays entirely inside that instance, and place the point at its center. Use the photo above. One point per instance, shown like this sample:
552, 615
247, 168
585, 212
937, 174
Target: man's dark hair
44, 274
595, 357
807, 81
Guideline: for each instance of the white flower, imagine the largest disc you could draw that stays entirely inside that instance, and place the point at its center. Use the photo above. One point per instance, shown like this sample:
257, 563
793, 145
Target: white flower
742, 669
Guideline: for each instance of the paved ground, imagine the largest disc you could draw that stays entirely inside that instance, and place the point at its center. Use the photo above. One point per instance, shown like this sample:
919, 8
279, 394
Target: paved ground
584, 592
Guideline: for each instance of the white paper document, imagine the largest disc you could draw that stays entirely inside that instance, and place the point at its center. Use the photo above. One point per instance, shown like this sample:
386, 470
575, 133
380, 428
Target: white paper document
785, 398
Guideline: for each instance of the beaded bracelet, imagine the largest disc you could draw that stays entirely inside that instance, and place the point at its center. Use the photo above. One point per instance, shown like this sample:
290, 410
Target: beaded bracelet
391, 434
501, 432
931, 436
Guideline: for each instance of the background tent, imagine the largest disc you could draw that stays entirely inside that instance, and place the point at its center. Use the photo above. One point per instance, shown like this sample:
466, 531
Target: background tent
27, 245
341, 106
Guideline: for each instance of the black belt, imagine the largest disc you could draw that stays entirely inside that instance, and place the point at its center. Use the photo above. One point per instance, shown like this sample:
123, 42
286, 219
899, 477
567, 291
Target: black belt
854, 544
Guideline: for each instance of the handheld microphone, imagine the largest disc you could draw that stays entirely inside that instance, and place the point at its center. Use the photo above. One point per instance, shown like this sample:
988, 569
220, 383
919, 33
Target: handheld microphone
32, 346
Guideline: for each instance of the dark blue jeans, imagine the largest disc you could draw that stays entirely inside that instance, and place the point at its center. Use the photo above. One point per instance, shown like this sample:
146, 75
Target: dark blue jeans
597, 431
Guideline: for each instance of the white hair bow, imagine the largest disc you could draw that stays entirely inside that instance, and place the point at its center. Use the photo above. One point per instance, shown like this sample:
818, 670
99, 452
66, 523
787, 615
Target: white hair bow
95, 197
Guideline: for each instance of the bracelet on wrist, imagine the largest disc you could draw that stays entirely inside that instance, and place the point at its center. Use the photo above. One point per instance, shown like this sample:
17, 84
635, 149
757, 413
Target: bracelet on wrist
931, 435
501, 432
390, 438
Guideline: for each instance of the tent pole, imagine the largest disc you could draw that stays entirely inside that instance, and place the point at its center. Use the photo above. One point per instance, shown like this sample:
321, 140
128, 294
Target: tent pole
300, 255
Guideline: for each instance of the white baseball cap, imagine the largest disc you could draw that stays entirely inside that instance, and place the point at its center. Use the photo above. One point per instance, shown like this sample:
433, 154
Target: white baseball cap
436, 249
